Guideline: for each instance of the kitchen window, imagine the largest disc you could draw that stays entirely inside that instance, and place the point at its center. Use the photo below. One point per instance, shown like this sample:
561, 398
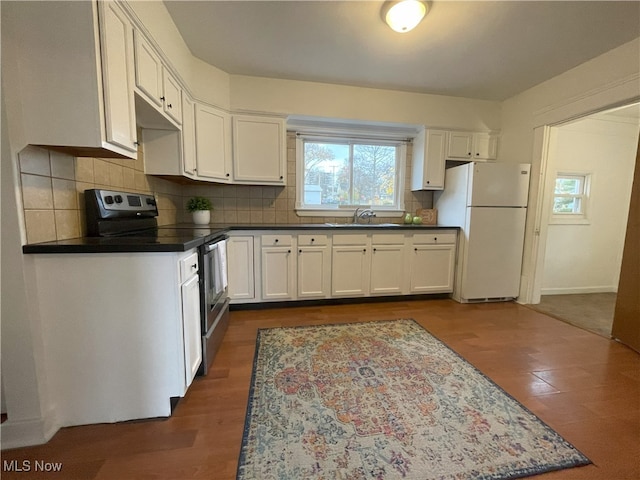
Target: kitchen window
570, 198
337, 174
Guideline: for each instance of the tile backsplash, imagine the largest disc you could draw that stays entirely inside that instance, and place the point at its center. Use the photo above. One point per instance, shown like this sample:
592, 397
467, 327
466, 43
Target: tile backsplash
53, 187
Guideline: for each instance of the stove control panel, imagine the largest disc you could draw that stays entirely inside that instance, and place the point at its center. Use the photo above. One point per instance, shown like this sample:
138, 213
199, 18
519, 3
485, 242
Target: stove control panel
126, 202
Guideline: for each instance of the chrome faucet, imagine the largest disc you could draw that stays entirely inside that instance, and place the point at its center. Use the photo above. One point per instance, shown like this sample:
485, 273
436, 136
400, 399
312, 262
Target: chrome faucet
365, 213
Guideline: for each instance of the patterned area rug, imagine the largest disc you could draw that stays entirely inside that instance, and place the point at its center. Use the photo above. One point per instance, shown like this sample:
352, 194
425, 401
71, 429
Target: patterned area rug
384, 400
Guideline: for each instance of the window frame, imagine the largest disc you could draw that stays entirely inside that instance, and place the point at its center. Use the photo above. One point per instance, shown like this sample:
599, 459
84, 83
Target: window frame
347, 137
572, 218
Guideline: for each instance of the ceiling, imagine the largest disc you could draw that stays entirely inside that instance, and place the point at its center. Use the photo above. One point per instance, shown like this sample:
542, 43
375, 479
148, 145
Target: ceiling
479, 49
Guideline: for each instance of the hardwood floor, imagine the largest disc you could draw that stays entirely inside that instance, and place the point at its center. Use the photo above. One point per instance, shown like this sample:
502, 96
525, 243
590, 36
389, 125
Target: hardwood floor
584, 386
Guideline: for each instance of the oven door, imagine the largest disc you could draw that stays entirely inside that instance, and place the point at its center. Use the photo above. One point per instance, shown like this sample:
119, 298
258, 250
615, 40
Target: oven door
214, 303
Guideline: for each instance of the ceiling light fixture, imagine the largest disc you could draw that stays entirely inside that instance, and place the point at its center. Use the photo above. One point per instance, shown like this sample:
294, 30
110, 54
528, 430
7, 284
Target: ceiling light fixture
404, 15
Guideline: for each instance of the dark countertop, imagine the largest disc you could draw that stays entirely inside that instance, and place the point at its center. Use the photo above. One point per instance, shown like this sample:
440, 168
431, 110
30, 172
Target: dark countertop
183, 237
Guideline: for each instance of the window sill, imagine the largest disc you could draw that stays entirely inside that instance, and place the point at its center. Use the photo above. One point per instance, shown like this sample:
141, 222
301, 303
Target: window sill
566, 220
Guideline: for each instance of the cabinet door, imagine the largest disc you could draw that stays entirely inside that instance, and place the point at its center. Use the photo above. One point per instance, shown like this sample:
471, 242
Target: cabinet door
428, 164
116, 41
259, 150
350, 267
212, 143
278, 273
191, 328
172, 94
485, 146
431, 269
387, 265
188, 136
240, 271
460, 145
148, 70
314, 272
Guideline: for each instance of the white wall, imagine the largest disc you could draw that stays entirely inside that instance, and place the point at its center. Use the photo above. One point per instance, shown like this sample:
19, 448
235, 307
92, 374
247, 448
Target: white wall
608, 80
206, 82
586, 258
291, 97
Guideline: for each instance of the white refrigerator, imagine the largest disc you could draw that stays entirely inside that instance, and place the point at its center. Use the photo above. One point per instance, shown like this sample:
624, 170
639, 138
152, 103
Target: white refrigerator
488, 201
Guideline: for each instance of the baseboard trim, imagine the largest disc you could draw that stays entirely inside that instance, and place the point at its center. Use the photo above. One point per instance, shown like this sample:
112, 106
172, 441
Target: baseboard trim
26, 433
337, 301
578, 290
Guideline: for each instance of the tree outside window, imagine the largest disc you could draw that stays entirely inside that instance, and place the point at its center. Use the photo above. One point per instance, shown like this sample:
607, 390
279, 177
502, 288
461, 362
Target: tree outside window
350, 173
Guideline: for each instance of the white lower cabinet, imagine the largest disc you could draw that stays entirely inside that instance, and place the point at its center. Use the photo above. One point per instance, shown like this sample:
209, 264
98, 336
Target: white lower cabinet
240, 268
190, 291
431, 262
278, 273
350, 265
314, 266
304, 265
387, 263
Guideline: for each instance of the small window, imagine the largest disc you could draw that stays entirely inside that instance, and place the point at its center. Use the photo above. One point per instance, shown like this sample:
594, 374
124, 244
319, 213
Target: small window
570, 198
343, 173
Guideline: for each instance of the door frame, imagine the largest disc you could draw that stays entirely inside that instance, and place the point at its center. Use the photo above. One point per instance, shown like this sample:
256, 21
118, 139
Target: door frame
545, 132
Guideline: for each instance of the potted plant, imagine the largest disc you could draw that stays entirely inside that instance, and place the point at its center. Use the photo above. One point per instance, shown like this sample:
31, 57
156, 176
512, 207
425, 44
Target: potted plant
201, 208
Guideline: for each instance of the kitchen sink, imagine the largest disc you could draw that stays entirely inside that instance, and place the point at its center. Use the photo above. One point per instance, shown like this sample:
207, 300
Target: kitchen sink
366, 225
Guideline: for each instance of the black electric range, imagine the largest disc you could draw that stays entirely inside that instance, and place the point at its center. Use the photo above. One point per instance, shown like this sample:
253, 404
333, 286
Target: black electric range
124, 222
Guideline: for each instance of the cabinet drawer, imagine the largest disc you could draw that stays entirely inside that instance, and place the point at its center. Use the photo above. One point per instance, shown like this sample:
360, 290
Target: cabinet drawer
276, 240
188, 267
387, 239
435, 237
311, 240
350, 239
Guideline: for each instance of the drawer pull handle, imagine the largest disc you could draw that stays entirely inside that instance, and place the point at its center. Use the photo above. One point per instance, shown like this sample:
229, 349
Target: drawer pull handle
415, 249
300, 251
275, 241
313, 240
288, 251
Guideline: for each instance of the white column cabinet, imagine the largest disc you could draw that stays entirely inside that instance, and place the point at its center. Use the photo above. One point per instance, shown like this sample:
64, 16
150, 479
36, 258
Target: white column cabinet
240, 268
428, 161
314, 266
259, 150
278, 267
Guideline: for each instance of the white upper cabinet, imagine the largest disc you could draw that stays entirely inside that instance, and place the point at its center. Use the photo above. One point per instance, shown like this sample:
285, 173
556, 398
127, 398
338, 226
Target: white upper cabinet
76, 72
485, 146
213, 144
428, 162
472, 146
148, 70
154, 81
116, 36
172, 96
460, 145
188, 135
259, 150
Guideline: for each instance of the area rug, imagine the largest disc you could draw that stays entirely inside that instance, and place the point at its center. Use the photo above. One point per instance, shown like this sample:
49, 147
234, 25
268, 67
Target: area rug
384, 400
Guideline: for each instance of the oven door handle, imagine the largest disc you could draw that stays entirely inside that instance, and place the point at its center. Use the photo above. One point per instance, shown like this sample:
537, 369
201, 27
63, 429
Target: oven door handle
211, 245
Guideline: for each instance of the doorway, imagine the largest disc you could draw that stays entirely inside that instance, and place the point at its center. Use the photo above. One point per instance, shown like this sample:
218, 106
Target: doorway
585, 201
